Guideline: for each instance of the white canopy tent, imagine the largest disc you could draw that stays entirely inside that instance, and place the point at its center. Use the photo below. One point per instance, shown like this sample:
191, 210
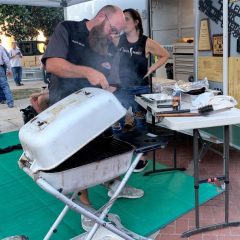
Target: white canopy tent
43, 3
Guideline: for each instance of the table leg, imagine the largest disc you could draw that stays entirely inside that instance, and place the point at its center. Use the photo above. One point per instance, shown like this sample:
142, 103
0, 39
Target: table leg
196, 175
199, 229
226, 170
175, 168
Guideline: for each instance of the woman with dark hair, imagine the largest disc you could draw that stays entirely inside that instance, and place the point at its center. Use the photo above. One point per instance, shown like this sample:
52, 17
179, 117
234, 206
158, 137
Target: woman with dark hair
135, 49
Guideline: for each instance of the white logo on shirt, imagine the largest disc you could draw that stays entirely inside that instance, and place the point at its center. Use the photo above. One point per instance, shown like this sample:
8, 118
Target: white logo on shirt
79, 43
106, 65
131, 49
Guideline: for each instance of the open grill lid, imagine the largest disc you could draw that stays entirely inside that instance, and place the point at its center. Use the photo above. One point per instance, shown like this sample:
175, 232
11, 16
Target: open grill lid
67, 126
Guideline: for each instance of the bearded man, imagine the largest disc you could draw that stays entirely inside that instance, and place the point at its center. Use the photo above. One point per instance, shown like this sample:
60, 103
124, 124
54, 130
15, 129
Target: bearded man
79, 55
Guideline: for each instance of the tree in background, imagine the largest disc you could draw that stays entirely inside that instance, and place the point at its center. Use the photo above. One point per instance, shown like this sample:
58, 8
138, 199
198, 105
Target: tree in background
24, 22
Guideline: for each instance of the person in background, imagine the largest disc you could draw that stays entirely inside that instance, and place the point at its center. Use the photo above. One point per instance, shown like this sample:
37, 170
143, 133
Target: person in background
15, 56
4, 86
46, 75
2, 96
134, 73
40, 101
80, 54
70, 56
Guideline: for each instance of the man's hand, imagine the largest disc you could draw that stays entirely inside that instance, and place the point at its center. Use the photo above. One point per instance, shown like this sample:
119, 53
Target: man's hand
62, 68
97, 78
9, 73
148, 73
111, 89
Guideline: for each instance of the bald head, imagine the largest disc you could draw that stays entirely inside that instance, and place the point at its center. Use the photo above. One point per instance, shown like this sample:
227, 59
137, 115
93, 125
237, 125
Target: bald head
109, 10
112, 18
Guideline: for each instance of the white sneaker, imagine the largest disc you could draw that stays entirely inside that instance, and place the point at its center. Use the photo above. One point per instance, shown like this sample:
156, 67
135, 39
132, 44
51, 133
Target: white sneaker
127, 192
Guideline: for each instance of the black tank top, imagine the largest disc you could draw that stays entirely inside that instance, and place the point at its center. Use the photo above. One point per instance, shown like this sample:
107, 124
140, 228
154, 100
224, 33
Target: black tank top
133, 62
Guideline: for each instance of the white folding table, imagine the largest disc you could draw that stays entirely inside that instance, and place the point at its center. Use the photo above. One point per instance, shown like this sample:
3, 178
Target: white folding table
225, 119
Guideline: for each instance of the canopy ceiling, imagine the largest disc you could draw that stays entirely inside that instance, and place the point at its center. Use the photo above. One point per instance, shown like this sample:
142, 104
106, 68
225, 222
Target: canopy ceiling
44, 3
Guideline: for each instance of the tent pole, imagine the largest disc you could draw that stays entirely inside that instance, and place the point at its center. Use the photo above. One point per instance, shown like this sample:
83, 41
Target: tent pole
65, 13
225, 47
149, 3
196, 37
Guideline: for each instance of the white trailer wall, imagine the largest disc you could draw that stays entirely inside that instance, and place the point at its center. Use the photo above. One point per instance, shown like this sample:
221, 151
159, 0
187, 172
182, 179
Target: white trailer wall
172, 20
89, 9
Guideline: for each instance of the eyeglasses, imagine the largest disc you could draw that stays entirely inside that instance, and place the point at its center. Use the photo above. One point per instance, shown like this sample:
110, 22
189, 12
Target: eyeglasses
114, 30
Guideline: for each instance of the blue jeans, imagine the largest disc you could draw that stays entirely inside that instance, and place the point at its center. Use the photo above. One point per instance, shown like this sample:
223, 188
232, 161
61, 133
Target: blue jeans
2, 96
127, 98
5, 87
17, 74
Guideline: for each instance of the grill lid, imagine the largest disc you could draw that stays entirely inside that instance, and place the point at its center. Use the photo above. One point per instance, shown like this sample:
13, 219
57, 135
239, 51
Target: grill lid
67, 126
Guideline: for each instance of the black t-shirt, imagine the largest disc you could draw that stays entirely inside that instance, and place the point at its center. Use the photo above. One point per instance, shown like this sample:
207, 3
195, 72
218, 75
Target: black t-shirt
70, 41
133, 62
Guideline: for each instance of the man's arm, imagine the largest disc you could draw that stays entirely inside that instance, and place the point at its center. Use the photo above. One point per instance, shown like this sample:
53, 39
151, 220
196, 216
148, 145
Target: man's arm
63, 68
11, 56
55, 61
154, 48
6, 62
20, 54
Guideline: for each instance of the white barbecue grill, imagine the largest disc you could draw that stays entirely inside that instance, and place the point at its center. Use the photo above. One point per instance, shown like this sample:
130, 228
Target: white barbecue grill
66, 150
